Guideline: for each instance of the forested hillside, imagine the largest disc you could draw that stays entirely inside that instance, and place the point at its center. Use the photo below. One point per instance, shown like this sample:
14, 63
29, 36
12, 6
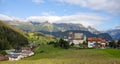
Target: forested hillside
11, 37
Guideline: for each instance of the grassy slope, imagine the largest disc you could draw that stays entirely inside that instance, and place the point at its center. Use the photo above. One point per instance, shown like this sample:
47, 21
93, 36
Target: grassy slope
51, 55
39, 39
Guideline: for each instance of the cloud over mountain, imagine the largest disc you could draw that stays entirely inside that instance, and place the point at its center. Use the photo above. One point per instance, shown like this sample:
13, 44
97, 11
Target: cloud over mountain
111, 6
5, 17
85, 19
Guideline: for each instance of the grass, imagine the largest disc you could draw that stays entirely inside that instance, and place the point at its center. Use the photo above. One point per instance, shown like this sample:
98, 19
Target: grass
112, 53
47, 54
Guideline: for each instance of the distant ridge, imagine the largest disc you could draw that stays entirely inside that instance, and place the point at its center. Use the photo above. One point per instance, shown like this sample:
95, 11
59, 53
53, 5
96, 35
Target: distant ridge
50, 27
114, 33
55, 28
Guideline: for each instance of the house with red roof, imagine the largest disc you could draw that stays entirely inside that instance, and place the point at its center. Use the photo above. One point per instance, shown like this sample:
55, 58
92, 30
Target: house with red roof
96, 42
2, 57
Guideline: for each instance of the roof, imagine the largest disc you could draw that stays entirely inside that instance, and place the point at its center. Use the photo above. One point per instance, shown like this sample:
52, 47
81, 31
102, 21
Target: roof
94, 39
17, 51
97, 39
26, 48
3, 58
14, 55
103, 41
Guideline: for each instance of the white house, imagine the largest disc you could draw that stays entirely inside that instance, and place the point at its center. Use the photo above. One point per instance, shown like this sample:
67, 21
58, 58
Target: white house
15, 55
96, 43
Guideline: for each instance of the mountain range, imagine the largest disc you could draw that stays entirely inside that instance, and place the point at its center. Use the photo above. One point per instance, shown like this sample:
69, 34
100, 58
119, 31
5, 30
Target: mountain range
50, 27
114, 33
46, 26
58, 29
30, 24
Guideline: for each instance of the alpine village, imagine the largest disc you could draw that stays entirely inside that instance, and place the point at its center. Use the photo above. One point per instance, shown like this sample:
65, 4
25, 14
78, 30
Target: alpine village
59, 31
21, 42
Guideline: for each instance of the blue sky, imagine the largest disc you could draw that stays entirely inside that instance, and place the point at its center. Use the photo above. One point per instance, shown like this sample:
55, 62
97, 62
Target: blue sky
102, 15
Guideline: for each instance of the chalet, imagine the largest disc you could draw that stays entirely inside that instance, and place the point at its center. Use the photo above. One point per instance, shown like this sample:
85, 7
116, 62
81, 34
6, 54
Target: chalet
96, 42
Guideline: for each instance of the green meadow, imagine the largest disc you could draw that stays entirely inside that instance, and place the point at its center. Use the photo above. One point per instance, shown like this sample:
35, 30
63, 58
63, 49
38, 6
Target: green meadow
47, 54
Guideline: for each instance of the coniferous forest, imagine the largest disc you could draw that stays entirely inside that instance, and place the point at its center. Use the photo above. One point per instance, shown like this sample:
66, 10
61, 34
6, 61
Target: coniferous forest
11, 37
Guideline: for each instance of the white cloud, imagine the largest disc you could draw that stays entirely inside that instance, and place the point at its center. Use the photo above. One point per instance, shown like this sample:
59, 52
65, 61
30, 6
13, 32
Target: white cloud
85, 19
82, 18
5, 17
44, 18
10, 18
111, 6
38, 1
48, 13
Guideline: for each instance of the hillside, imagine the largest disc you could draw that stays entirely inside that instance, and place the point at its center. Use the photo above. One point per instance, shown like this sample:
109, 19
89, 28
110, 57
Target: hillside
11, 37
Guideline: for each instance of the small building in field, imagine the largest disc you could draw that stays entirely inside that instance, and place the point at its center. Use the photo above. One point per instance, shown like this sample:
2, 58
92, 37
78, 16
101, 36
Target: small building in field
75, 38
2, 57
96, 43
26, 51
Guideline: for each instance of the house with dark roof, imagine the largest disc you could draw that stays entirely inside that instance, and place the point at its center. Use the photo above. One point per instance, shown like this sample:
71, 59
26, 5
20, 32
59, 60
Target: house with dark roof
19, 54
15, 55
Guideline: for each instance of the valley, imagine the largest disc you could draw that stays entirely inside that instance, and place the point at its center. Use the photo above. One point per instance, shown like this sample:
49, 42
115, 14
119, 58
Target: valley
59, 31
56, 47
